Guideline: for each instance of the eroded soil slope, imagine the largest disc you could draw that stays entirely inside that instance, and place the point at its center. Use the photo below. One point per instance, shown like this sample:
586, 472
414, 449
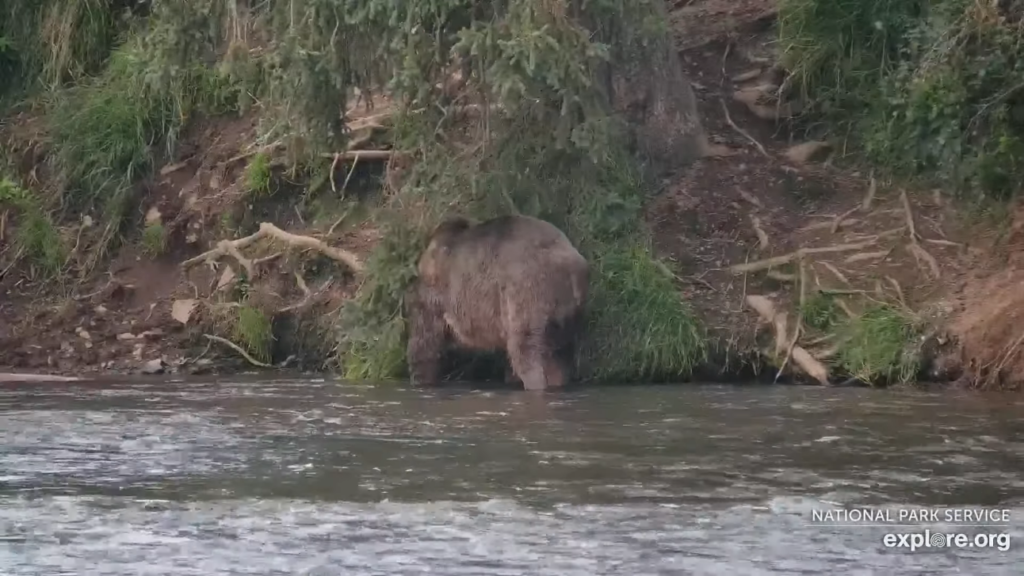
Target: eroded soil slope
758, 198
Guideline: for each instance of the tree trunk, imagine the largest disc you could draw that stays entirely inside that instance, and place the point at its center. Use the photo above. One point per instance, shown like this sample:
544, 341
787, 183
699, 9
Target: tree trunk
649, 89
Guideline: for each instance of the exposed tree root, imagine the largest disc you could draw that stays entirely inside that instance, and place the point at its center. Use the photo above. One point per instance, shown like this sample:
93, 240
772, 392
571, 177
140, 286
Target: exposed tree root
799, 322
799, 254
867, 256
835, 272
870, 196
362, 155
920, 254
743, 132
801, 357
238, 349
268, 230
762, 236
309, 295
750, 198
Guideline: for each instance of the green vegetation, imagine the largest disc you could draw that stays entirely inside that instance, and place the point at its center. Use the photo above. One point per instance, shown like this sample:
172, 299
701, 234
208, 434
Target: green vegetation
882, 344
154, 239
35, 236
257, 174
118, 88
254, 332
820, 312
52, 42
930, 89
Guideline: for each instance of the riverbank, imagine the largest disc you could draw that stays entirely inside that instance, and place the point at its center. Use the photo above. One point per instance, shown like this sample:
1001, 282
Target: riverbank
771, 232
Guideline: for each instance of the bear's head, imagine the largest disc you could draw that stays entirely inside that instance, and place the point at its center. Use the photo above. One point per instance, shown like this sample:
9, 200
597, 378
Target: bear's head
434, 259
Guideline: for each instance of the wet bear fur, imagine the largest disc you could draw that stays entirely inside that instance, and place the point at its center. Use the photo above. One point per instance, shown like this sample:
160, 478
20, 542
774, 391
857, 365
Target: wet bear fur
514, 284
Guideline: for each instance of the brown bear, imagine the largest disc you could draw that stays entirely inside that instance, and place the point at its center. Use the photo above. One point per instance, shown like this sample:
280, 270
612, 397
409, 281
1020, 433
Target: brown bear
513, 283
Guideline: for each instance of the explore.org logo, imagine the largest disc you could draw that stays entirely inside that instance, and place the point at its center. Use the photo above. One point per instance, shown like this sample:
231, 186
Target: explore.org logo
929, 539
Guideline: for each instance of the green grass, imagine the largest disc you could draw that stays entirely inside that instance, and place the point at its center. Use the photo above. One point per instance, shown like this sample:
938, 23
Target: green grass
820, 312
47, 44
882, 345
108, 131
154, 239
639, 327
35, 235
254, 332
926, 90
258, 175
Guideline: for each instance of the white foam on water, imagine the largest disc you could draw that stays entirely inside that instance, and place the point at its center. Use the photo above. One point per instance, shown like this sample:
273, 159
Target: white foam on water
78, 535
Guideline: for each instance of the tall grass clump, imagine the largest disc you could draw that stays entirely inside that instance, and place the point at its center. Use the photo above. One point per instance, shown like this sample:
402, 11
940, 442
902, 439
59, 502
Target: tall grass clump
881, 345
926, 89
48, 43
35, 235
108, 131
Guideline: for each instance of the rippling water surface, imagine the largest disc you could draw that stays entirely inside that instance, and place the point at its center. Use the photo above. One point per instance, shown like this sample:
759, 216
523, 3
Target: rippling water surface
316, 477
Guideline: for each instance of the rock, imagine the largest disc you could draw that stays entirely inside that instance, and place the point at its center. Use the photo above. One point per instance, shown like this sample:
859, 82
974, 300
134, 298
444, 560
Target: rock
152, 334
200, 367
153, 216
126, 336
154, 366
101, 310
82, 333
181, 310
808, 151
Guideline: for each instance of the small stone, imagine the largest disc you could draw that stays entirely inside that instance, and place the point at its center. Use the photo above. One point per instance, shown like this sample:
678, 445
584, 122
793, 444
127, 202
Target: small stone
808, 151
154, 366
101, 310
82, 333
152, 334
126, 336
153, 216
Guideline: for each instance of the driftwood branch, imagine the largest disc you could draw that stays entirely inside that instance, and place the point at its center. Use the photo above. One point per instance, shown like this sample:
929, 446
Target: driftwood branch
268, 230
801, 357
238, 349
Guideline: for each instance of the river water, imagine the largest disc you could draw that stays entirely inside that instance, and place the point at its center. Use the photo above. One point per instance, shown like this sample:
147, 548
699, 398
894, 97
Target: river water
321, 478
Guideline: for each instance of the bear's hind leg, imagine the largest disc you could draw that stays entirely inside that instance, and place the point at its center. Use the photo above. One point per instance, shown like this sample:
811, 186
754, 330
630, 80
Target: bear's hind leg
534, 362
